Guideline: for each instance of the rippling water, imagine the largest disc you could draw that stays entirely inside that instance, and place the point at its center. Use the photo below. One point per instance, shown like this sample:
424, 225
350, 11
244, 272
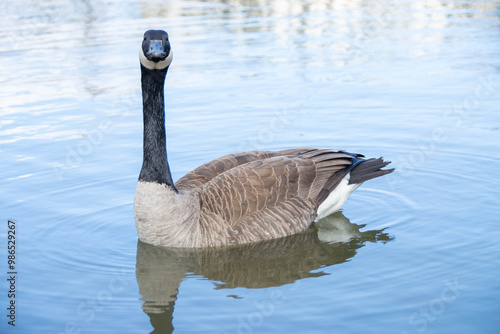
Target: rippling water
414, 81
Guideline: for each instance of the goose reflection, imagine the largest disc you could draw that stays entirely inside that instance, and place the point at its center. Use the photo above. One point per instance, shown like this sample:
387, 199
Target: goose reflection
160, 270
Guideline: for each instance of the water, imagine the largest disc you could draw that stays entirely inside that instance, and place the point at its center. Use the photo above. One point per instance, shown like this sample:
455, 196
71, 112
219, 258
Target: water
414, 81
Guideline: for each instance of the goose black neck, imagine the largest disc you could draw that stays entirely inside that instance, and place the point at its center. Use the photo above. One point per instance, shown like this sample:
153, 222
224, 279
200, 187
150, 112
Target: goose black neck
155, 164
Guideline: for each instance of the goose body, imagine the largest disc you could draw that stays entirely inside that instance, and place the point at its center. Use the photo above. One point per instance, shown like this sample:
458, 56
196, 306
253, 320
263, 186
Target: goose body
238, 198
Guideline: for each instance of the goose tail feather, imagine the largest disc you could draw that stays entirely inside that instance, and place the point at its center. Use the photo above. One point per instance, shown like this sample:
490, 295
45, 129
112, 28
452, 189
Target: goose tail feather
369, 169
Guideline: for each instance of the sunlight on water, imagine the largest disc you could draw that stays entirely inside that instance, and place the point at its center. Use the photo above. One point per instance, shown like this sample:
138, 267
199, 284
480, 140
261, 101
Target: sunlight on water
416, 82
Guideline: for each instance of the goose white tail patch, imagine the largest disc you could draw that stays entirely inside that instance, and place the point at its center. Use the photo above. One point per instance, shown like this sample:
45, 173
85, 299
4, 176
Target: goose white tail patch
335, 201
151, 65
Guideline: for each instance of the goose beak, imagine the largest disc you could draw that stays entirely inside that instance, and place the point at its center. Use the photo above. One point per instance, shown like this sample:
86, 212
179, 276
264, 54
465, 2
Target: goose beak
156, 51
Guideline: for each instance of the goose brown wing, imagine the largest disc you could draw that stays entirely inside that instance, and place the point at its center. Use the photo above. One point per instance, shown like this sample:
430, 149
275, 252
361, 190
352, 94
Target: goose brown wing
211, 169
268, 198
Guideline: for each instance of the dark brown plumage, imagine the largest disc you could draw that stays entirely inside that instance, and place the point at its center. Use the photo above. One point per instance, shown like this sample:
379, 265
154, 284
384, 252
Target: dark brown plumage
253, 196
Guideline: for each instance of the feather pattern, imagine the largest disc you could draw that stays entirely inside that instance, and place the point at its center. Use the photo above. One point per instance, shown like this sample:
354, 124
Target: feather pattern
249, 197
253, 196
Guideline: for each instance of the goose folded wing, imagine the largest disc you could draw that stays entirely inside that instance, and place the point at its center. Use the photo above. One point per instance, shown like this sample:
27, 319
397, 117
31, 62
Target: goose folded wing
211, 169
268, 198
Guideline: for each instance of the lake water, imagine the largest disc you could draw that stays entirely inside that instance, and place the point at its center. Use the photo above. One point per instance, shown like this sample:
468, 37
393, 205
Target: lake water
417, 82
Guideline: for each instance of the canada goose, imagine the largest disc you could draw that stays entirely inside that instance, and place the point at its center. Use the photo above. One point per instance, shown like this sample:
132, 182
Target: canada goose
238, 198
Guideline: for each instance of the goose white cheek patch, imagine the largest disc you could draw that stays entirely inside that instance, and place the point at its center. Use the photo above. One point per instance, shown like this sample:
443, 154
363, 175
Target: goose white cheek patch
151, 65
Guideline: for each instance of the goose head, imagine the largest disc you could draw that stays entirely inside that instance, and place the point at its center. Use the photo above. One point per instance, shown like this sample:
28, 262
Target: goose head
155, 52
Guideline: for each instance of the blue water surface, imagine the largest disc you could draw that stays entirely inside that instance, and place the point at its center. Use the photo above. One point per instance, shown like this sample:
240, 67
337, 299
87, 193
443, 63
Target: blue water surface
416, 82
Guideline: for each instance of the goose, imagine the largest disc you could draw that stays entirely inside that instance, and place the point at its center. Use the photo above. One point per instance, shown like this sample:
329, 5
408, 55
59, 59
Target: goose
238, 198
